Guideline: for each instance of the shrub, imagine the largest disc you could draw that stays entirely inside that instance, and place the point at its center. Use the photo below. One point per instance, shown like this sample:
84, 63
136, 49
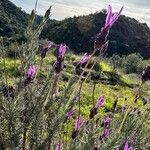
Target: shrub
116, 61
132, 63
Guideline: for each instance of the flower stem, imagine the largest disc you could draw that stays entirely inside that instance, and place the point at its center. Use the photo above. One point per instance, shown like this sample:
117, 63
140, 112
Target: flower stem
93, 95
79, 103
124, 119
66, 138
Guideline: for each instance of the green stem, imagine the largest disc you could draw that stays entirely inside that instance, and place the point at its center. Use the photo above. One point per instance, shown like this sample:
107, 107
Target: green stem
79, 103
93, 95
124, 119
66, 136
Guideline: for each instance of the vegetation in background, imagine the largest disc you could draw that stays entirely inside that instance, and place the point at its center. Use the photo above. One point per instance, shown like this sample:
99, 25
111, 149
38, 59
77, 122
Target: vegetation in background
132, 63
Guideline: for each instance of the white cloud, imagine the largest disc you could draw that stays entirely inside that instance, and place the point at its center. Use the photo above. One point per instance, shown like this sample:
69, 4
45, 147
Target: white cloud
139, 9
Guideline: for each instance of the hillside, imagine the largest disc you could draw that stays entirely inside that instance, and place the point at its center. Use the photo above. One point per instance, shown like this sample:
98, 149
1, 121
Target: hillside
12, 19
127, 36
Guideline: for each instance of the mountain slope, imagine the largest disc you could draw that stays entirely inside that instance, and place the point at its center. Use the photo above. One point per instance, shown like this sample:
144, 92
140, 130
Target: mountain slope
12, 19
126, 36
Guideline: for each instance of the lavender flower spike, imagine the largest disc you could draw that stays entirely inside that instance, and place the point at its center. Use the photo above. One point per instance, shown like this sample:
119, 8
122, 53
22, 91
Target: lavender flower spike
30, 75
81, 64
127, 147
145, 100
101, 37
106, 121
60, 58
31, 72
111, 18
62, 50
69, 114
100, 102
146, 74
105, 134
84, 58
78, 124
46, 46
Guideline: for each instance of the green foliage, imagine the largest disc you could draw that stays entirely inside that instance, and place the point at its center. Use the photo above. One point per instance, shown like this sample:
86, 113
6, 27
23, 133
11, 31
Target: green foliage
126, 37
12, 19
116, 61
132, 63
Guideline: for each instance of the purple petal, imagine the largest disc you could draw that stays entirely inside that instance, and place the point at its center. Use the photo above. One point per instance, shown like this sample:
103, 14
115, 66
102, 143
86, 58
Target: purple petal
127, 147
115, 17
109, 15
62, 50
78, 124
70, 113
106, 120
84, 58
50, 44
31, 72
100, 102
106, 133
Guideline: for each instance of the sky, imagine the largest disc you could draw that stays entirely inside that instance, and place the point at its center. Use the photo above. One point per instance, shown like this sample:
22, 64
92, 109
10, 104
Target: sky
138, 9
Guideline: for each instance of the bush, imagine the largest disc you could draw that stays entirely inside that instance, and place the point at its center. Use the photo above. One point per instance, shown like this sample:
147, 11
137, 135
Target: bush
116, 61
132, 63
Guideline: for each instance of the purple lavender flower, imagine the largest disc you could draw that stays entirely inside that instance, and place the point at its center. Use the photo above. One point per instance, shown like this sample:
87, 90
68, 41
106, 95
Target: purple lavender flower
100, 102
69, 114
127, 146
60, 58
46, 46
111, 18
78, 124
105, 134
84, 59
146, 74
62, 50
30, 74
59, 146
106, 121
